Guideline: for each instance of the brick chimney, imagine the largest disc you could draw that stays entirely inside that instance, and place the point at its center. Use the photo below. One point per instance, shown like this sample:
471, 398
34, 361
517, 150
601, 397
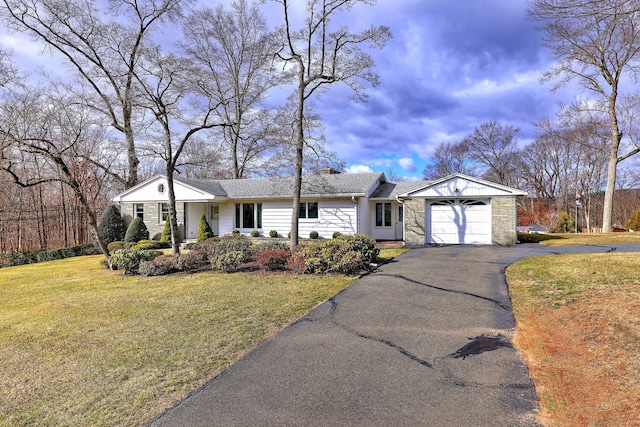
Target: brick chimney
328, 171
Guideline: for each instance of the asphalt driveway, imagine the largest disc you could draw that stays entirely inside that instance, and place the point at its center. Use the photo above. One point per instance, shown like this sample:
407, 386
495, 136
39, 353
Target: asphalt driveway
425, 340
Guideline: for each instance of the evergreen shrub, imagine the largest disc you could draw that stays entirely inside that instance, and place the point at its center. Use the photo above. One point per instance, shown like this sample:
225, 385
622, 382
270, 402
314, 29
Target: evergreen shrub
204, 230
111, 225
228, 262
136, 231
165, 236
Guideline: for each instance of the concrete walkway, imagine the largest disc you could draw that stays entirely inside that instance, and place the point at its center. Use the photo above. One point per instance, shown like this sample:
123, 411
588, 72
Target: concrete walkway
425, 340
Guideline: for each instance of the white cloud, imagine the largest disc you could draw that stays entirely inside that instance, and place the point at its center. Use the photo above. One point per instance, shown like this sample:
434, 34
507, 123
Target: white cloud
407, 164
358, 169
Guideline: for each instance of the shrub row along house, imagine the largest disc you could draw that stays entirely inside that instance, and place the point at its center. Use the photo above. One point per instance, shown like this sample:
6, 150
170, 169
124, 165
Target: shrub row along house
457, 209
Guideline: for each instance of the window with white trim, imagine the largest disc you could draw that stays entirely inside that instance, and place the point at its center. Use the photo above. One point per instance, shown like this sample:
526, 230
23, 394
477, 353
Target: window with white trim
308, 210
383, 214
138, 210
163, 212
248, 215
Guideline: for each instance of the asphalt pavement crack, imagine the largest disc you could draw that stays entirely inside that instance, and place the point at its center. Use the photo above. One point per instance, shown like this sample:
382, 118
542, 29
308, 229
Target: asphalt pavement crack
393, 345
438, 288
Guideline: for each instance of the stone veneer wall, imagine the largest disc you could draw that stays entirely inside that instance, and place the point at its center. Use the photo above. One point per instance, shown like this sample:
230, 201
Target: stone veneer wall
504, 219
151, 212
415, 227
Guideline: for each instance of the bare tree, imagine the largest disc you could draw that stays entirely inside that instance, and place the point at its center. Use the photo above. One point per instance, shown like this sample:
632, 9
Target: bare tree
8, 70
102, 46
56, 134
494, 148
316, 57
235, 48
178, 100
597, 44
449, 158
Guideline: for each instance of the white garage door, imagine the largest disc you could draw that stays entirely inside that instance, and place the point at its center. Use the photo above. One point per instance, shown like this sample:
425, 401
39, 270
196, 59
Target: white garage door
459, 222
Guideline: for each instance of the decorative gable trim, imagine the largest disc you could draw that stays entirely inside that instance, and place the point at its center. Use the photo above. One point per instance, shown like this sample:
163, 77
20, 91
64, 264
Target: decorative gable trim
460, 185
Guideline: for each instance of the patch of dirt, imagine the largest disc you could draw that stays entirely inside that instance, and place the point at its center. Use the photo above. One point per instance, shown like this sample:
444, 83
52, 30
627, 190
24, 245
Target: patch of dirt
585, 358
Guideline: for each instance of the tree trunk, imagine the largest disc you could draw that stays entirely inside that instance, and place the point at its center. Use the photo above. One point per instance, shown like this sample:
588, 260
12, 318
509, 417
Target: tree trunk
297, 183
612, 165
173, 220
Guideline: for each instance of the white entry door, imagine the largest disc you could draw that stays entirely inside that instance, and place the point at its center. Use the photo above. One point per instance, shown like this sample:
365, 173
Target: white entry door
459, 221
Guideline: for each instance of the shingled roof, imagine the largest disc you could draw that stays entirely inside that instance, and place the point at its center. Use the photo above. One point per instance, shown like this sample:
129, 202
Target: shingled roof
391, 190
329, 185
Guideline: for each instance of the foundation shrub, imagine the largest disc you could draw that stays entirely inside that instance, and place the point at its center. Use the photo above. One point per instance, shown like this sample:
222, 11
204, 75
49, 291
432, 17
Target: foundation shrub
204, 230
165, 236
270, 244
136, 231
231, 244
360, 243
159, 266
346, 254
273, 233
273, 259
192, 260
128, 260
146, 245
228, 262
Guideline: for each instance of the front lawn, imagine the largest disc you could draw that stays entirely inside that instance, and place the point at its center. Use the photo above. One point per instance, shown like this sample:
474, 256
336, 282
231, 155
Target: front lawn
578, 326
81, 345
570, 239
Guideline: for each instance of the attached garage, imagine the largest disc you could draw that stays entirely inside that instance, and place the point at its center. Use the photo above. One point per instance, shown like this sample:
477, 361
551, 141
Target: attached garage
459, 221
460, 209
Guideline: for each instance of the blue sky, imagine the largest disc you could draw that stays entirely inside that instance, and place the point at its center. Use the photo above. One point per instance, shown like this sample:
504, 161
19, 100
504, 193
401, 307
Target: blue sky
450, 67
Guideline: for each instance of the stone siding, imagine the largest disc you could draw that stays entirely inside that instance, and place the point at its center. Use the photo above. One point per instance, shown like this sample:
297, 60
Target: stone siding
414, 222
151, 217
504, 218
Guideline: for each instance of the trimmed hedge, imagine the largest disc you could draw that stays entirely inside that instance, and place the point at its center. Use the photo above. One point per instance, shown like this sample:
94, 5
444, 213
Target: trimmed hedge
346, 254
12, 259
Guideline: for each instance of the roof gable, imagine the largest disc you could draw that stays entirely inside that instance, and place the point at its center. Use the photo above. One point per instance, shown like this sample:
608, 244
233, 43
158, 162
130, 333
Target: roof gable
150, 190
460, 185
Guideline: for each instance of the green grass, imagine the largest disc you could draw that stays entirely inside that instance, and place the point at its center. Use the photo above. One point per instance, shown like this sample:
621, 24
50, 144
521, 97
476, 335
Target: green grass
557, 280
570, 239
80, 345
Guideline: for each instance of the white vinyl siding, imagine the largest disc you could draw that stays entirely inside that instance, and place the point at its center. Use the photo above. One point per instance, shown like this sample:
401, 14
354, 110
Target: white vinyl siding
338, 215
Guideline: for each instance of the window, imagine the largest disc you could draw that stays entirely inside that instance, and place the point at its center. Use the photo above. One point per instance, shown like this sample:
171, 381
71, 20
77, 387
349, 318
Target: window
138, 210
249, 215
400, 213
308, 210
383, 214
164, 212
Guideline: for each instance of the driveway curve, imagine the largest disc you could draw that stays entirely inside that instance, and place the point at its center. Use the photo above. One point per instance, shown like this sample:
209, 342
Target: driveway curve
424, 340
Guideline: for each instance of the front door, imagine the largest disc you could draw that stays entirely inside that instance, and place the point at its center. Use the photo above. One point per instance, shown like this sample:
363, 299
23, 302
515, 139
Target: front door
193, 212
399, 222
